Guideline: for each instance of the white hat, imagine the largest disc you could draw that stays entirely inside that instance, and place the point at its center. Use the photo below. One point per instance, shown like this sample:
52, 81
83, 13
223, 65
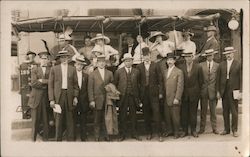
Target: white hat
209, 52
153, 37
80, 59
127, 56
100, 36
229, 50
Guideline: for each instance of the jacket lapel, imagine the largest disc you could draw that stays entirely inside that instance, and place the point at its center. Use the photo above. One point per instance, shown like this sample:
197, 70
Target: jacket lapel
232, 66
99, 75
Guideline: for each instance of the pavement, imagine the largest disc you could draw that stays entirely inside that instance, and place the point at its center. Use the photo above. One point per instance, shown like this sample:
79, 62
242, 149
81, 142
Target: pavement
21, 128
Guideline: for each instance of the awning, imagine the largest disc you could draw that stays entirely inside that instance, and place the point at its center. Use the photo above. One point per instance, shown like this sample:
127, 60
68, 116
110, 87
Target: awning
113, 23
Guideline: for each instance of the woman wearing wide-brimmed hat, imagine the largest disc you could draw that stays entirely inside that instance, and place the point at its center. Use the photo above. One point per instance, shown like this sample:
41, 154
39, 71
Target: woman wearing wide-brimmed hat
160, 45
101, 42
187, 45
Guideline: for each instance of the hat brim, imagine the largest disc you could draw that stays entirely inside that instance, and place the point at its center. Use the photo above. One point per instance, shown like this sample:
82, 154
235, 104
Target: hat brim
31, 53
59, 55
227, 52
153, 38
208, 30
186, 55
81, 62
106, 39
123, 59
209, 54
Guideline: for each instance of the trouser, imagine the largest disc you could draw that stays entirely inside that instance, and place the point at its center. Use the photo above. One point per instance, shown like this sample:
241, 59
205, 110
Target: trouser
229, 105
129, 102
189, 114
172, 118
99, 123
37, 115
151, 113
81, 118
212, 108
67, 115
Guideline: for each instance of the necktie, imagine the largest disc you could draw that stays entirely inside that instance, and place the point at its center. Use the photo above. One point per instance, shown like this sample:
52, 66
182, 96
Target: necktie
209, 67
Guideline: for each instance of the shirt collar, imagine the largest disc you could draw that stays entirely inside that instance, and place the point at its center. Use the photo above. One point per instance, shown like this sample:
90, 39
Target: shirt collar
171, 67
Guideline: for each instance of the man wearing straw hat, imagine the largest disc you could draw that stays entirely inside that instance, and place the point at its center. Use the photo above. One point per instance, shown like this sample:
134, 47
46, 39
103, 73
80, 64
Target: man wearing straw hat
187, 45
211, 43
229, 89
127, 82
63, 91
208, 90
82, 107
38, 101
193, 79
97, 81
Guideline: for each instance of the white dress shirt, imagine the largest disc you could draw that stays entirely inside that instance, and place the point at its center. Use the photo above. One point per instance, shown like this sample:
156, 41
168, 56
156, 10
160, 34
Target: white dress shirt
128, 69
79, 78
43, 69
64, 76
188, 46
138, 53
102, 71
147, 65
170, 70
107, 49
229, 63
211, 65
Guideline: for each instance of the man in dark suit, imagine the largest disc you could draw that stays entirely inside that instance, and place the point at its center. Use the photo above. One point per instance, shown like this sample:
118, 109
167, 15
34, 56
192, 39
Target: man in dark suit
211, 43
228, 85
98, 79
129, 46
38, 101
63, 90
127, 83
82, 107
174, 84
150, 84
208, 90
192, 84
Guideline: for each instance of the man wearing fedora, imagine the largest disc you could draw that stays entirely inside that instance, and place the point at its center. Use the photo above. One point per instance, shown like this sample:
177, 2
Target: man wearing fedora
98, 79
193, 79
229, 88
211, 43
208, 90
129, 47
38, 100
82, 107
160, 45
150, 84
187, 45
174, 84
111, 54
127, 82
63, 91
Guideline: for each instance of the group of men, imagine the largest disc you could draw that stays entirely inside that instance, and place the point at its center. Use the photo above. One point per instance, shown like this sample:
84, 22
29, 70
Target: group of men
155, 86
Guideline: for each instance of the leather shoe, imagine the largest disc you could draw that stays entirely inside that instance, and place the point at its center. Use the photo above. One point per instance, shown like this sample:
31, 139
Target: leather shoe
235, 134
224, 133
183, 134
195, 134
166, 134
176, 136
201, 132
215, 132
161, 139
137, 138
122, 138
149, 137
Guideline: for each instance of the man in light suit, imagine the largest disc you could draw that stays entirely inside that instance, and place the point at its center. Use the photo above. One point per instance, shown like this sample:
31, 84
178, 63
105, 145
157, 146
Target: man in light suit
193, 79
174, 85
127, 83
150, 84
38, 101
82, 107
98, 79
63, 90
208, 90
228, 83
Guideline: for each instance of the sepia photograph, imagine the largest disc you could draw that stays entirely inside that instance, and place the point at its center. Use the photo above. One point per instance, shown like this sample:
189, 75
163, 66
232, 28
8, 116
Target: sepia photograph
107, 78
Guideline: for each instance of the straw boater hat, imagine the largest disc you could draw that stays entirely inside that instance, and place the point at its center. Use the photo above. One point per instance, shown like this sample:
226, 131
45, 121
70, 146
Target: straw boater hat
100, 36
210, 28
80, 59
101, 57
43, 54
127, 56
209, 52
229, 50
63, 53
171, 55
153, 37
30, 52
64, 37
187, 54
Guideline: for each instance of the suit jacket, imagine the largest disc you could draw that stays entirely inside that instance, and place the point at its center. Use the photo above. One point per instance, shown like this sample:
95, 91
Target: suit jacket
211, 44
39, 89
192, 83
155, 80
174, 85
234, 77
96, 87
55, 84
208, 89
83, 100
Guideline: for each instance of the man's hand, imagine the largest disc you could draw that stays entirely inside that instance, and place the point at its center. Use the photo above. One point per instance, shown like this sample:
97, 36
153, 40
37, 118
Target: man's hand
92, 104
75, 101
52, 104
160, 96
176, 102
218, 95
